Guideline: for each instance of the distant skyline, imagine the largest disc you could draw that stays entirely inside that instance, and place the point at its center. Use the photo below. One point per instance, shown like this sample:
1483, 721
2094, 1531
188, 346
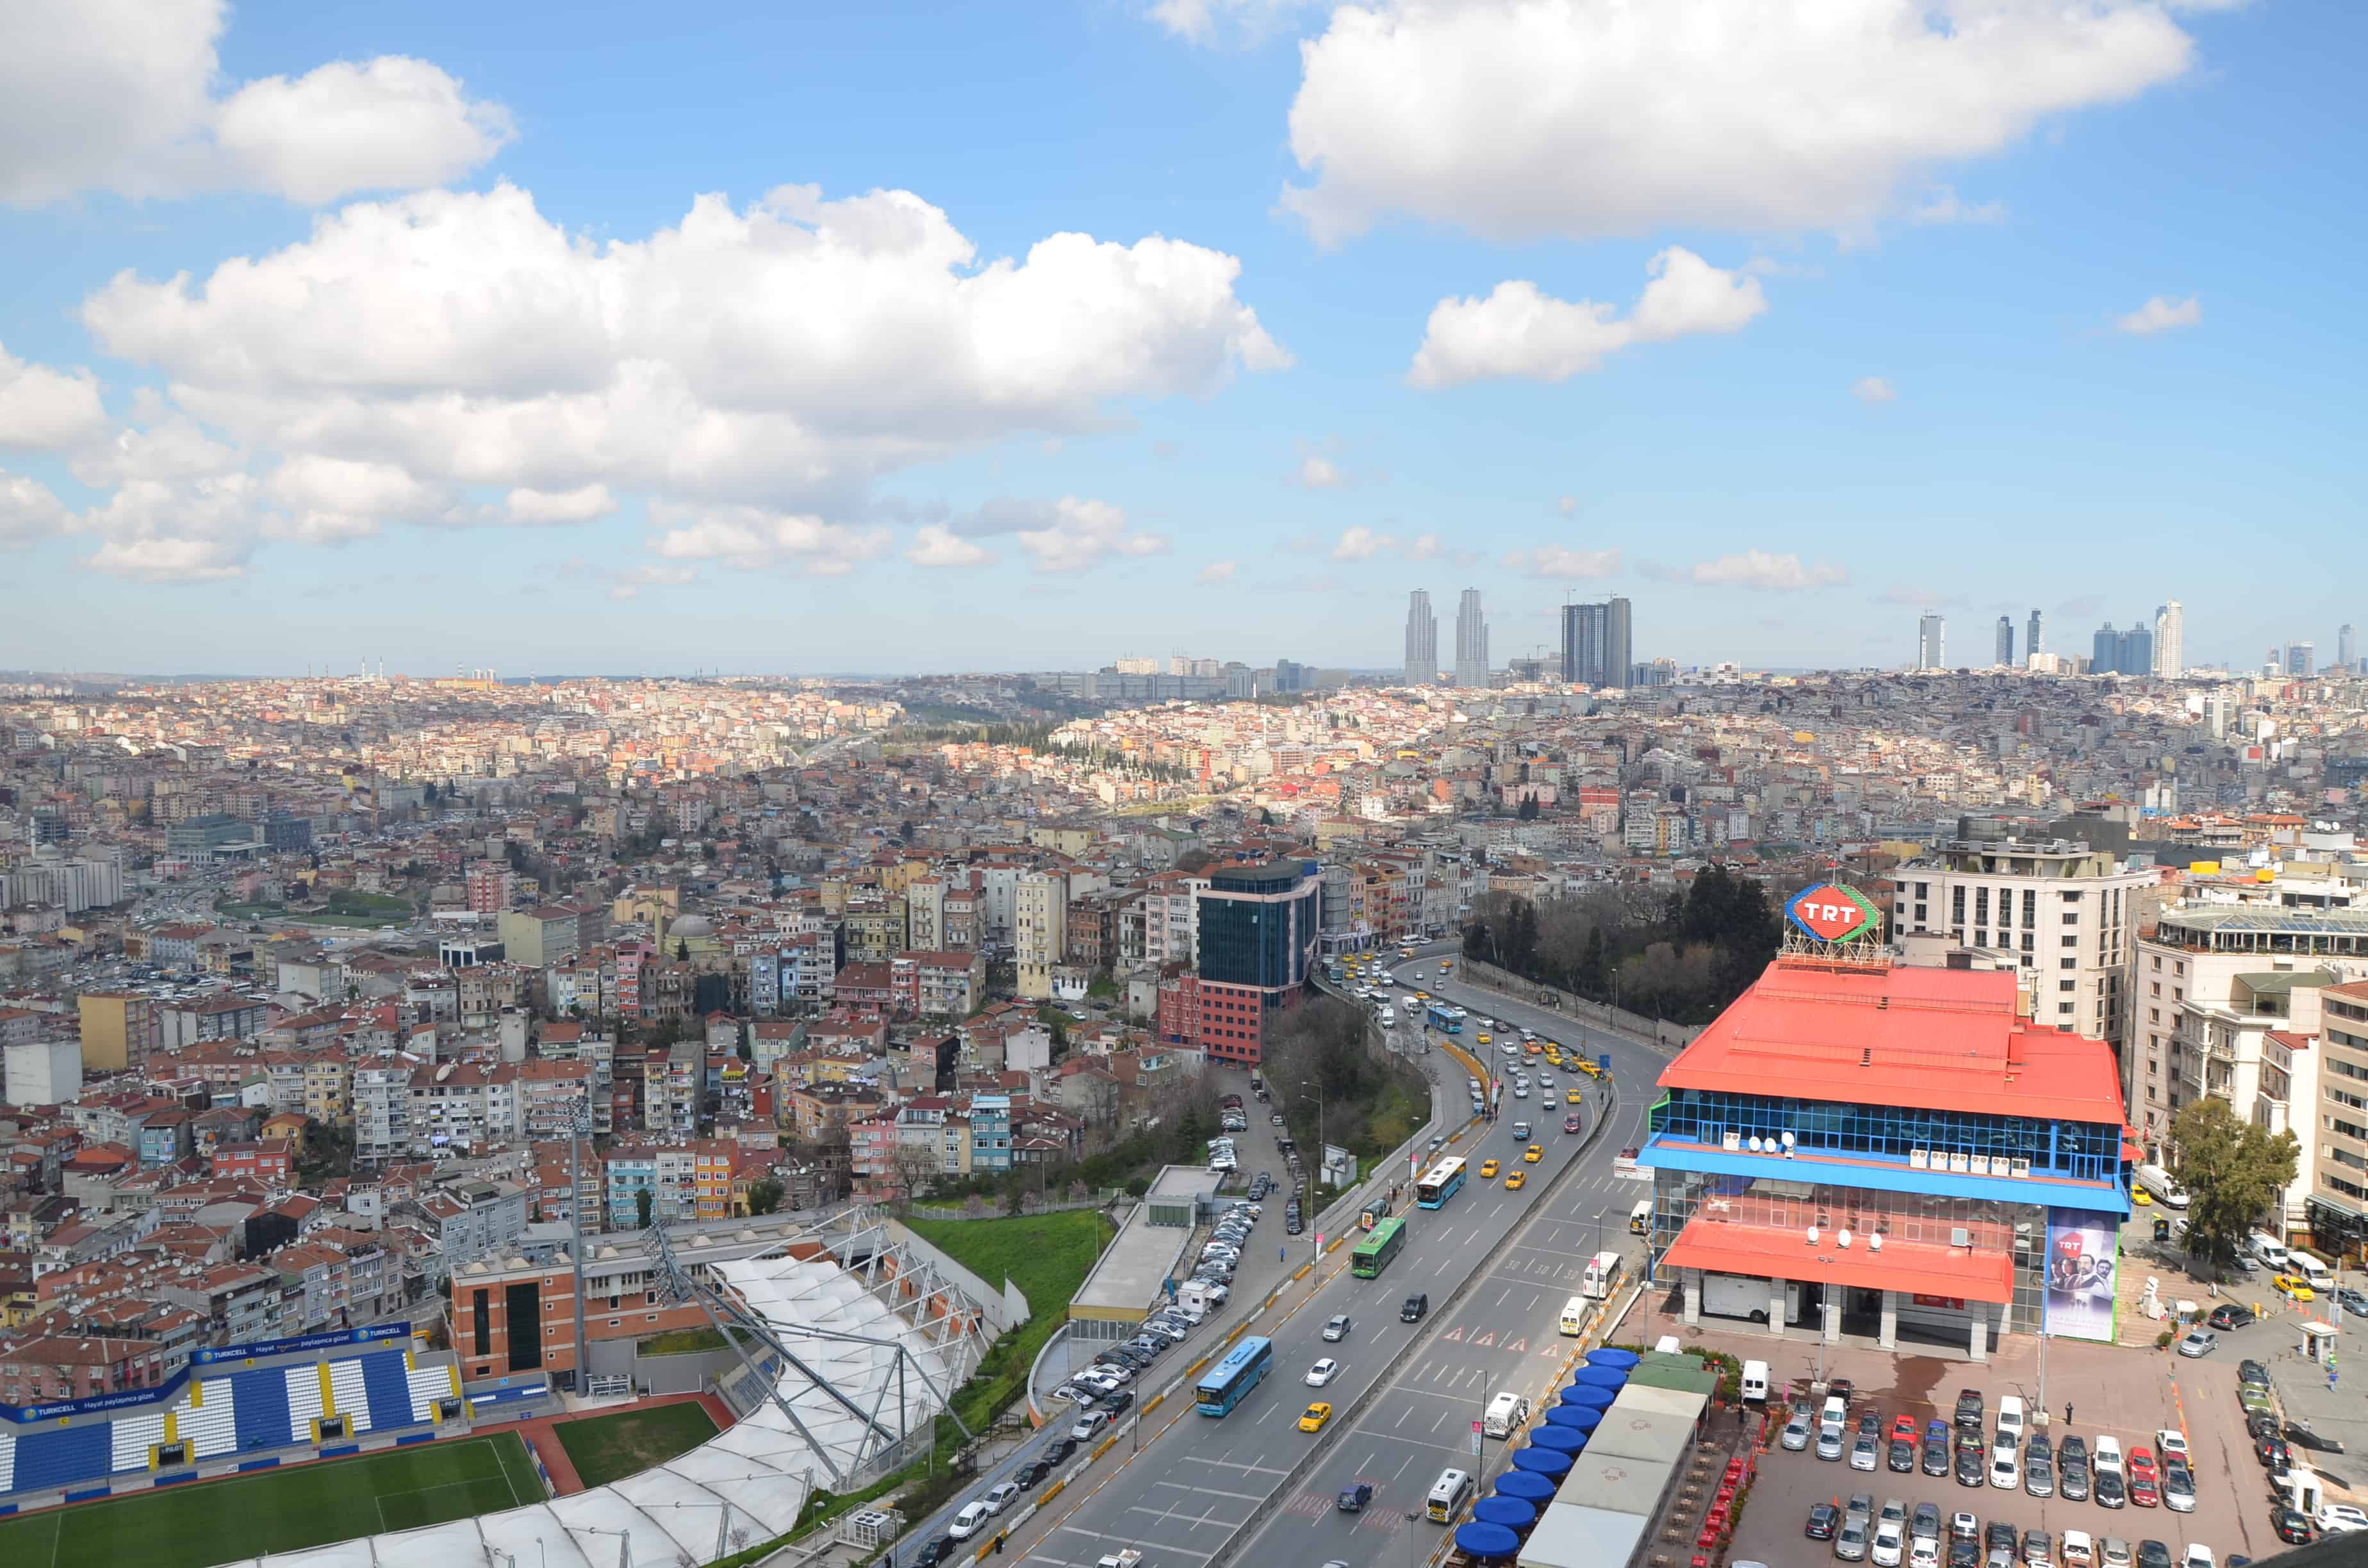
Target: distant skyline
561, 337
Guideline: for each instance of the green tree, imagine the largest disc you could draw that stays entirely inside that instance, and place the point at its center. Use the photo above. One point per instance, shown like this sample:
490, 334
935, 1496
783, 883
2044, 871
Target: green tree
643, 1206
765, 1197
2232, 1170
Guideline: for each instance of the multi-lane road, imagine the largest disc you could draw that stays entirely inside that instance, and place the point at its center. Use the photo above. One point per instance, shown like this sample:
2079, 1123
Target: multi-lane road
1199, 1491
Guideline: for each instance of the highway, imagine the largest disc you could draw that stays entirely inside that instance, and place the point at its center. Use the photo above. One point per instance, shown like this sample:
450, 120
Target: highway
1185, 1495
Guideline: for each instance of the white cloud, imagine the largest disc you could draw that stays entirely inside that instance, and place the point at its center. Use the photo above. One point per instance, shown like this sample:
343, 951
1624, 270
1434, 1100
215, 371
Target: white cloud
1556, 560
1761, 570
782, 355
1941, 206
1217, 572
168, 560
937, 545
1566, 505
165, 447
42, 409
1318, 473
1519, 119
1362, 543
1873, 388
532, 508
182, 529
629, 582
1241, 21
2160, 314
119, 94
1079, 533
1422, 547
1521, 331
330, 500
28, 510
752, 538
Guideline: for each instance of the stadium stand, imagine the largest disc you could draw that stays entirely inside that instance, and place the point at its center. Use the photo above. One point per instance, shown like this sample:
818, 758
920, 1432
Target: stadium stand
211, 1429
352, 1400
7, 1460
61, 1456
384, 1381
261, 1407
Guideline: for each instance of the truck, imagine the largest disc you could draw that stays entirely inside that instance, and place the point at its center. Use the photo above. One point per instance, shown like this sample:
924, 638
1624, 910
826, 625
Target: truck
1130, 1558
1741, 1296
2158, 1185
1602, 1273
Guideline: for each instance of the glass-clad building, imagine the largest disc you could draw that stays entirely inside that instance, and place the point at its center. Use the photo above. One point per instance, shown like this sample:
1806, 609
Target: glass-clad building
1260, 929
1860, 1147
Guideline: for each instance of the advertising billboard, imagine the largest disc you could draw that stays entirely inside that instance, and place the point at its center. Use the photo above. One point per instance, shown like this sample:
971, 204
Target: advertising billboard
2083, 1261
1831, 912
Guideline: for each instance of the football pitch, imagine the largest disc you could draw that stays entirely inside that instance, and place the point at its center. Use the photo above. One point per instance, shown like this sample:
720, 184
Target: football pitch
207, 1522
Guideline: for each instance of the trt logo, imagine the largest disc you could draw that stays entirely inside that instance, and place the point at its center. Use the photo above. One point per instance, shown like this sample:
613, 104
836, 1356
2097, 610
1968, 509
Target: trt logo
1830, 913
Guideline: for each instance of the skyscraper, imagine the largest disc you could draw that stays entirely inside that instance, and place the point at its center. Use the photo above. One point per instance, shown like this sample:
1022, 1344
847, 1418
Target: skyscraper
2006, 642
2170, 640
2105, 651
1596, 648
2346, 655
1421, 640
2034, 643
1470, 640
2302, 659
2134, 653
1931, 641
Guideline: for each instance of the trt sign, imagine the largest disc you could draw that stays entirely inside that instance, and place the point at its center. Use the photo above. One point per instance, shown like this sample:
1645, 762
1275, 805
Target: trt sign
1831, 912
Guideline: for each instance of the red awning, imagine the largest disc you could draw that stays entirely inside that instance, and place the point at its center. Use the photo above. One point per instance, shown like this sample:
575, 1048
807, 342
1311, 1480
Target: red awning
1916, 1268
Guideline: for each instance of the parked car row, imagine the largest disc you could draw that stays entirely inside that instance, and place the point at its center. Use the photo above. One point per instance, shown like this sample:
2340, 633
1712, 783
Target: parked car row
1893, 1536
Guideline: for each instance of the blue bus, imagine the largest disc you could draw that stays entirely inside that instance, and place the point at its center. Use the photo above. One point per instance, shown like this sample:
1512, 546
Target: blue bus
1439, 1183
1446, 1019
1226, 1385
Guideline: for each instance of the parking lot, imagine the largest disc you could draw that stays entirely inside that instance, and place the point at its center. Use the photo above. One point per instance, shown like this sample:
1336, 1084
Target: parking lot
2128, 1395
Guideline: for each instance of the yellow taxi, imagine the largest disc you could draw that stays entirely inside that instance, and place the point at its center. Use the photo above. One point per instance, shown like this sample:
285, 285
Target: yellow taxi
2139, 1196
1422, 996
1532, 1155
1313, 1419
1447, 966
1513, 1183
1590, 1068
2294, 1287
1570, 1098
1488, 1170
1480, 1037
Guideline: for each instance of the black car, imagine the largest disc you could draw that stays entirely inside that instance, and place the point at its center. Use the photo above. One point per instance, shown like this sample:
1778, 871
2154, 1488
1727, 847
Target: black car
2111, 1493
1969, 1409
1824, 1519
1111, 1403
2260, 1424
2000, 1537
1417, 1306
2292, 1527
2228, 1315
1354, 1498
1870, 1424
2253, 1373
1033, 1471
1971, 1470
2038, 1448
1061, 1449
2074, 1450
2153, 1554
936, 1551
1936, 1457
1965, 1554
1969, 1441
1293, 1224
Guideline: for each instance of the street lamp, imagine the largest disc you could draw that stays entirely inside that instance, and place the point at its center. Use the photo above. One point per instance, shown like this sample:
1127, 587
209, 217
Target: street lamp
1317, 1085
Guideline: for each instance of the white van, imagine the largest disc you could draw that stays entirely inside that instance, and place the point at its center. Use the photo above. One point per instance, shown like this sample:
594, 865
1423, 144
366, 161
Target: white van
1640, 1218
2010, 1420
2321, 1278
1575, 1313
1506, 1414
1755, 1380
1450, 1494
2158, 1185
2269, 1249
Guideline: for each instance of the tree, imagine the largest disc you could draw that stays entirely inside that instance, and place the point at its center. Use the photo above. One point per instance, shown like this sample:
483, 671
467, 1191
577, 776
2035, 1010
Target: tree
681, 951
747, 1049
1528, 810
643, 1206
2233, 1170
765, 1197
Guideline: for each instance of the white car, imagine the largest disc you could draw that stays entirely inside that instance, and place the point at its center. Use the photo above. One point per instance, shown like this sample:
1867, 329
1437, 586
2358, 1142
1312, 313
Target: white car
2340, 1518
2169, 1441
1889, 1541
2197, 1556
969, 1521
1923, 1552
1323, 1372
2005, 1471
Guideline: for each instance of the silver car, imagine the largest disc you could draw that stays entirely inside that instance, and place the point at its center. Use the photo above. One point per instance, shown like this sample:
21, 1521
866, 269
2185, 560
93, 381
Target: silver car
1796, 1431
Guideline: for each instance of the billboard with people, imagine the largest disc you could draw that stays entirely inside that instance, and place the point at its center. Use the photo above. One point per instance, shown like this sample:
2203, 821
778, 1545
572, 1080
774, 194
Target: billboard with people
2083, 1260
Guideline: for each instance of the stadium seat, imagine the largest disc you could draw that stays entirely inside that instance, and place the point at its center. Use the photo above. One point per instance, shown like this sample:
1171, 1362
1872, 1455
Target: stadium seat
261, 1408
211, 1429
302, 1387
63, 1456
428, 1384
131, 1436
7, 1459
351, 1395
385, 1377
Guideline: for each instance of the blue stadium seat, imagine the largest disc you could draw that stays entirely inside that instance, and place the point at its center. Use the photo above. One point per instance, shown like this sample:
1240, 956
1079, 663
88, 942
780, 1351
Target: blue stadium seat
262, 1405
385, 1380
63, 1456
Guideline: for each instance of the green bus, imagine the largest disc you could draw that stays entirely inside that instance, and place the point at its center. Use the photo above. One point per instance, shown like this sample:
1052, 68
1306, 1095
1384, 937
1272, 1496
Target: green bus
1380, 1244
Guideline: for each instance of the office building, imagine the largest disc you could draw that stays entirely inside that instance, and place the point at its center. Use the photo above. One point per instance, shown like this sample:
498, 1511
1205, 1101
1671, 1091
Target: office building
2302, 659
1931, 641
2129, 653
1894, 1152
41, 1072
2170, 640
1596, 645
2064, 914
2035, 642
119, 1028
2335, 1205
2347, 655
199, 839
1421, 640
1470, 640
2005, 659
1041, 930
1259, 928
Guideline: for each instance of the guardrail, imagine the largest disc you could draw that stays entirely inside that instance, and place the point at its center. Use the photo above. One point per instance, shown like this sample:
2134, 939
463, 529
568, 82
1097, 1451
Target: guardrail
1289, 1486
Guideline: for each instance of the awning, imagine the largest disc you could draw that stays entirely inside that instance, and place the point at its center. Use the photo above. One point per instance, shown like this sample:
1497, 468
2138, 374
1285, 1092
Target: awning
1913, 1268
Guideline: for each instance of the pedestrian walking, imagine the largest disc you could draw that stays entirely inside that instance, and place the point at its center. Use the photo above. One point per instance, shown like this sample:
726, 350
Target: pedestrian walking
1278, 1253
2068, 1412
998, 1543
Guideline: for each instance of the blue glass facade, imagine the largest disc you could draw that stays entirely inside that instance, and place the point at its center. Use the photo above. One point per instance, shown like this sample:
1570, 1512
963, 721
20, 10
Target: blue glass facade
1258, 925
2080, 1150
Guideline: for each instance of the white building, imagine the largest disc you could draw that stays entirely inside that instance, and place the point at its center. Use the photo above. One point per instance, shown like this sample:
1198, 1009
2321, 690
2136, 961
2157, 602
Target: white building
43, 1072
1041, 930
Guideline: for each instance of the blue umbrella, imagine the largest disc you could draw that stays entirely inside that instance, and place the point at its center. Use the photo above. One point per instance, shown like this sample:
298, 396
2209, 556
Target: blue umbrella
1510, 1512
1610, 1357
1569, 1439
1601, 1377
1527, 1487
1545, 1461
1482, 1538
1589, 1396
1579, 1417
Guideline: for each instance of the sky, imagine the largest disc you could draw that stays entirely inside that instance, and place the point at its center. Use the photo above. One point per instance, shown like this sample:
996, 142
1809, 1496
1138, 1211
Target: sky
904, 336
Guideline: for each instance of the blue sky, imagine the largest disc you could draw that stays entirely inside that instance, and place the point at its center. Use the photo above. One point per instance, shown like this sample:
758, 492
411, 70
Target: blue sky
445, 383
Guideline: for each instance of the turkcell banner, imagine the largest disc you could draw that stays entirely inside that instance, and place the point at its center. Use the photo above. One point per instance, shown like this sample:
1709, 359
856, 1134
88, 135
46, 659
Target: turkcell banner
2083, 1257
372, 1335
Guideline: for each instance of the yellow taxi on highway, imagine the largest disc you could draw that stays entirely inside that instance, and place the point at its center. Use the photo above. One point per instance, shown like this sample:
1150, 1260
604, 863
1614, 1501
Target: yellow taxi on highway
1488, 1170
1513, 1183
1314, 1416
1533, 1153
1480, 1037
1570, 1097
2294, 1287
1590, 1068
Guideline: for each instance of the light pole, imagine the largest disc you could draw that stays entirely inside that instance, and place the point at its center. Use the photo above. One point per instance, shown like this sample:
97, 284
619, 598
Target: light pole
1317, 1085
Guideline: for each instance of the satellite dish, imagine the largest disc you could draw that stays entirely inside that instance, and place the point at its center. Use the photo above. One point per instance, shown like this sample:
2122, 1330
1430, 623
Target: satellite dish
1788, 1140
1813, 1235
1754, 1145
1843, 1237
1874, 1241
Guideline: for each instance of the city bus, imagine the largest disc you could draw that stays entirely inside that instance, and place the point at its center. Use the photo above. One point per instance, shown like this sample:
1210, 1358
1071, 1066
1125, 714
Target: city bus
1444, 1019
1381, 1245
1439, 1183
1226, 1384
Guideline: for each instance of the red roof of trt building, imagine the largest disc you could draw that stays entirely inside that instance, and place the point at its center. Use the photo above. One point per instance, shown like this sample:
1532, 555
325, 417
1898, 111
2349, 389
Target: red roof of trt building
1923, 1039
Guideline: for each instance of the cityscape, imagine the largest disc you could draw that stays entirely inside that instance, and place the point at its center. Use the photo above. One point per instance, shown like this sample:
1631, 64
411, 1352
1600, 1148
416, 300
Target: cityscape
730, 754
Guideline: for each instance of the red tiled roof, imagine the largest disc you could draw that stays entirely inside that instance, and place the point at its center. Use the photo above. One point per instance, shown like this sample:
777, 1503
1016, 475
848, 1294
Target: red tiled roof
1928, 1038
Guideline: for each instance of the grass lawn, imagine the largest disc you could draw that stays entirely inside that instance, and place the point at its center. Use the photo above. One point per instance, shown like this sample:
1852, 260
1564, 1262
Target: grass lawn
608, 1447
280, 1510
1048, 1256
